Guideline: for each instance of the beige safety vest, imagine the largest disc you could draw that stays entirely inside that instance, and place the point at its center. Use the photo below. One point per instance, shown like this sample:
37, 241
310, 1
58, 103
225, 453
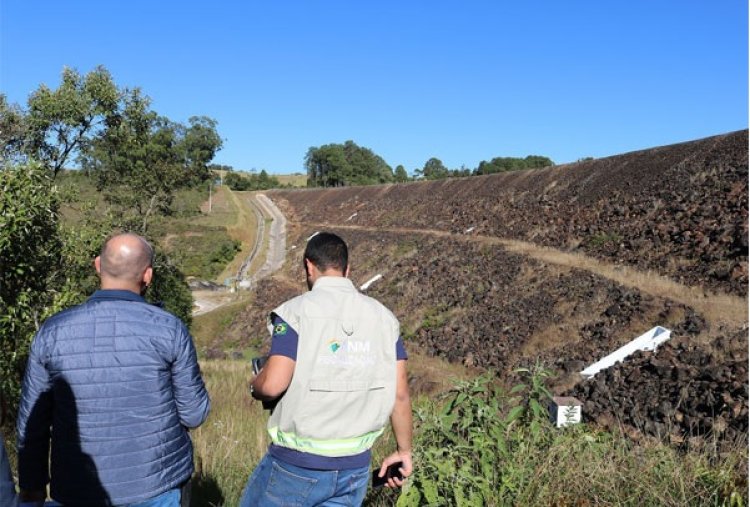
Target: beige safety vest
344, 384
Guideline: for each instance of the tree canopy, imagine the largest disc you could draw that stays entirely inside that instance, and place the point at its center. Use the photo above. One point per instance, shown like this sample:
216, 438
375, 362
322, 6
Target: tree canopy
60, 123
336, 165
143, 158
503, 164
252, 181
400, 175
138, 160
137, 157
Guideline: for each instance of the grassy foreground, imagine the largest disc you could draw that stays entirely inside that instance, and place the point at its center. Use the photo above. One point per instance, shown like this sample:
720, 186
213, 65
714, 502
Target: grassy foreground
478, 445
233, 439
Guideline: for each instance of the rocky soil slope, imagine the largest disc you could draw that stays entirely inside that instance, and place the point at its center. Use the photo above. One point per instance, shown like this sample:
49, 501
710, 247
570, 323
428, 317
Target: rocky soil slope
679, 210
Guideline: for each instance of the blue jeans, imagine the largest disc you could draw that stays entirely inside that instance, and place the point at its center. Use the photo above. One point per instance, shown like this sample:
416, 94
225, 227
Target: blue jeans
274, 482
170, 498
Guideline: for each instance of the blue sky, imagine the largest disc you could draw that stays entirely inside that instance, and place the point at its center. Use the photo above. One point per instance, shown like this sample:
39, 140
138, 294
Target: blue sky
461, 81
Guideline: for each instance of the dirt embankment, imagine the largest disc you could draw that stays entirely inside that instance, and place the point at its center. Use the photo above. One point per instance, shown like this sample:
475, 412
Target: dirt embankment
678, 210
656, 231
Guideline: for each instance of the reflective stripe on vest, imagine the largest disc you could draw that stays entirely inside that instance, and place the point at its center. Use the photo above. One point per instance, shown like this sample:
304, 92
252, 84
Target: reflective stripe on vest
331, 448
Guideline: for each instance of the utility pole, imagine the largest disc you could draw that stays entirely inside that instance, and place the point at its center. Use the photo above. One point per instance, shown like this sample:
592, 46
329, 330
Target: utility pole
209, 195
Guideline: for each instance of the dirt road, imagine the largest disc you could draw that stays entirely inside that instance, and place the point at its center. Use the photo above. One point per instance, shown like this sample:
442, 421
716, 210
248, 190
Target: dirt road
270, 241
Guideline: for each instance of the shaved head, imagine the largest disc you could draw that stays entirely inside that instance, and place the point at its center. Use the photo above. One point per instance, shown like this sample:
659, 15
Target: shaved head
125, 257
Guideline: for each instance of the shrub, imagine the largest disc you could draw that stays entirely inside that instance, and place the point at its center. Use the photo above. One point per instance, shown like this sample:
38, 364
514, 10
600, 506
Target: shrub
30, 251
483, 446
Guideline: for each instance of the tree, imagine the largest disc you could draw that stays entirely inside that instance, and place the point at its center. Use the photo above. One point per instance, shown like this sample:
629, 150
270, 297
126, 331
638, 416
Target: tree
400, 175
326, 166
503, 164
170, 288
134, 161
143, 158
434, 170
12, 132
200, 143
335, 165
30, 252
261, 181
62, 122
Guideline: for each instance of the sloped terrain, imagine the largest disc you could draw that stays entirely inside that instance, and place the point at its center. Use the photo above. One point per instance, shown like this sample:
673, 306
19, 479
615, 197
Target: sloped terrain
678, 210
561, 265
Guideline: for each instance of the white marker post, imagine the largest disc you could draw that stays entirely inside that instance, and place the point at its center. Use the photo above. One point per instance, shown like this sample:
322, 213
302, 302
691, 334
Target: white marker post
369, 282
647, 341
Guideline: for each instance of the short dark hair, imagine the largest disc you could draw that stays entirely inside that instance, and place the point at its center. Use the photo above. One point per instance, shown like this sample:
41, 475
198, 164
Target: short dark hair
326, 250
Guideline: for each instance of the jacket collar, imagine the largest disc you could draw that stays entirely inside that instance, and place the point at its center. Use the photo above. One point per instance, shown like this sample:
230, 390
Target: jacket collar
116, 295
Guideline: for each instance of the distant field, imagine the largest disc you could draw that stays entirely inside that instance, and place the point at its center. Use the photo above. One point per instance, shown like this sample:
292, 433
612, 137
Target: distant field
295, 180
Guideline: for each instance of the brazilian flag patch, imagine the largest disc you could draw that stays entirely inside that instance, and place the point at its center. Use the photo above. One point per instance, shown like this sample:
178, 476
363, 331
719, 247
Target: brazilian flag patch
280, 329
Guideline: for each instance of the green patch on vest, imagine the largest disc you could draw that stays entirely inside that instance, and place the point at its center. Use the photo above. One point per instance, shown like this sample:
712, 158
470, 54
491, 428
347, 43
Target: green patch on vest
280, 329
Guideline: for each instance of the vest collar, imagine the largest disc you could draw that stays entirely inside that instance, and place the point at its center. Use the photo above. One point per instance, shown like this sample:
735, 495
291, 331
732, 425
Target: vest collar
333, 281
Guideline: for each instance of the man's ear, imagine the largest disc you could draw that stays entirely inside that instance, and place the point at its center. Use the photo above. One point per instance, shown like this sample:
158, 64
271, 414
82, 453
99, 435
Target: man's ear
148, 275
98, 264
309, 267
346, 271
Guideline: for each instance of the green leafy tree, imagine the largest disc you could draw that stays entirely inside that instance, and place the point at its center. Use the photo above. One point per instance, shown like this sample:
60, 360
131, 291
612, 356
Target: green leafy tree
134, 162
12, 132
30, 253
434, 170
200, 143
336, 165
61, 123
460, 173
326, 166
170, 289
400, 175
503, 164
143, 158
252, 181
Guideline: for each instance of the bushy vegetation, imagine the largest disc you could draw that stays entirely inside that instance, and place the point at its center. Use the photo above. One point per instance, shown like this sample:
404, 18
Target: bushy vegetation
504, 164
337, 165
204, 253
133, 162
480, 446
251, 181
32, 249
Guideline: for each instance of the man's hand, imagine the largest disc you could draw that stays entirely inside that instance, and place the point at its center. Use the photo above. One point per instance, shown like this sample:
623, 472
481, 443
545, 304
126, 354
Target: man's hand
274, 379
405, 469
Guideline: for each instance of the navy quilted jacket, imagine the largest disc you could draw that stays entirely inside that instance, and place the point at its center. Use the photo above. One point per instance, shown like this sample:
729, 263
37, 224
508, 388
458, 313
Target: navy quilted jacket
115, 384
7, 488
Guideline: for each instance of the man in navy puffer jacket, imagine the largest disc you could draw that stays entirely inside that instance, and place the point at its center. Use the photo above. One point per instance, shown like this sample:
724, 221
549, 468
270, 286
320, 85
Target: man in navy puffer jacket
114, 384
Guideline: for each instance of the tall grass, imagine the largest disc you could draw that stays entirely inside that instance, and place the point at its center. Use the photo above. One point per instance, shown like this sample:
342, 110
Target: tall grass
479, 445
233, 439
482, 446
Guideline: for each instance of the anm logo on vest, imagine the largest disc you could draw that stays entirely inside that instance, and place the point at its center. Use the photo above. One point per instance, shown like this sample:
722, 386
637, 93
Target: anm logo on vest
347, 353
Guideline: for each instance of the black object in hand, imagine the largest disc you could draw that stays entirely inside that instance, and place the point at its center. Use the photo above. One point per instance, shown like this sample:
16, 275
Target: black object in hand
258, 363
391, 471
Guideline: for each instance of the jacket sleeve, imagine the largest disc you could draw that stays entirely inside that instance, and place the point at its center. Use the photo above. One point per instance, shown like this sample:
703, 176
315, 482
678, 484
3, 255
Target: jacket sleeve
7, 488
34, 421
190, 393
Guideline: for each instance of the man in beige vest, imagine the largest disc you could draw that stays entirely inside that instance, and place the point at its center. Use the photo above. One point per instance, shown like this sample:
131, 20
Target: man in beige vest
337, 372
